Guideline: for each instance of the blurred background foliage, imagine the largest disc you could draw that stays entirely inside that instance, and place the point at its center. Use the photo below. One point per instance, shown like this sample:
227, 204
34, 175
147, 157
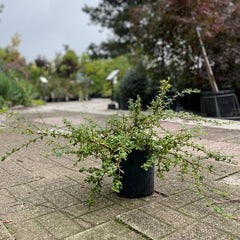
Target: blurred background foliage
151, 40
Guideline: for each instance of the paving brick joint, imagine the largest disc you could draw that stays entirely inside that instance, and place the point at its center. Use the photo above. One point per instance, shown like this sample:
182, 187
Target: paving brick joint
44, 197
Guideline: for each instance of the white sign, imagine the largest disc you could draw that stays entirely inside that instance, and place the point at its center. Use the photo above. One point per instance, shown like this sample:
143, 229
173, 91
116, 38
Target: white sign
112, 75
43, 80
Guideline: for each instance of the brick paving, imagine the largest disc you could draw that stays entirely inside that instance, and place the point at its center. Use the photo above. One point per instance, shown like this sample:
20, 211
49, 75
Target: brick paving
44, 197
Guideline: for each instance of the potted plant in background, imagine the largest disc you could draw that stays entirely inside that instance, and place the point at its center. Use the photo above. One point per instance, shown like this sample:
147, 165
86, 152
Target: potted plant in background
130, 144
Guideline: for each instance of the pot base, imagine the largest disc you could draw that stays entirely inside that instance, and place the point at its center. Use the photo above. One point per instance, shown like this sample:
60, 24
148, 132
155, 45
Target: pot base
136, 181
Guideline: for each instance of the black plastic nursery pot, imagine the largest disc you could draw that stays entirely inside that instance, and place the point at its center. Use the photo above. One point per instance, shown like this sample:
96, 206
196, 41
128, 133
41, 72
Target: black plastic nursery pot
136, 181
219, 104
123, 103
111, 106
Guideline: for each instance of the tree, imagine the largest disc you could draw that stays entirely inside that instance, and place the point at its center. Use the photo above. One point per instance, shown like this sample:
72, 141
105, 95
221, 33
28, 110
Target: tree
12, 59
42, 62
166, 31
16, 86
13, 53
114, 15
69, 64
98, 70
225, 51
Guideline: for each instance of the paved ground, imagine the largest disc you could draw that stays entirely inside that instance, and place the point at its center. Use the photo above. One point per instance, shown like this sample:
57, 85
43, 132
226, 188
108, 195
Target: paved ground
43, 198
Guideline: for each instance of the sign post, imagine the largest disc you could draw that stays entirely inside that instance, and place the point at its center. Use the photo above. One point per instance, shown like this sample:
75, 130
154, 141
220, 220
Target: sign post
113, 78
44, 82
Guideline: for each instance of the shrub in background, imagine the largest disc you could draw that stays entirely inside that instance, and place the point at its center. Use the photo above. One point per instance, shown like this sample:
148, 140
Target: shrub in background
11, 92
134, 84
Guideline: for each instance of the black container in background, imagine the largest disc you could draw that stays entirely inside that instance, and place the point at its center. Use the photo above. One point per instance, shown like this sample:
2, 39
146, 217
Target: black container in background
218, 104
136, 181
123, 103
111, 106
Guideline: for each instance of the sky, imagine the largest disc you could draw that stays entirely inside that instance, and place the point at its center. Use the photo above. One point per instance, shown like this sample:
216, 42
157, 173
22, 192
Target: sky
46, 25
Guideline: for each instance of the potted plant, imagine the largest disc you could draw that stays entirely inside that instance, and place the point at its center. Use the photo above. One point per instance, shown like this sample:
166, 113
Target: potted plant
137, 134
